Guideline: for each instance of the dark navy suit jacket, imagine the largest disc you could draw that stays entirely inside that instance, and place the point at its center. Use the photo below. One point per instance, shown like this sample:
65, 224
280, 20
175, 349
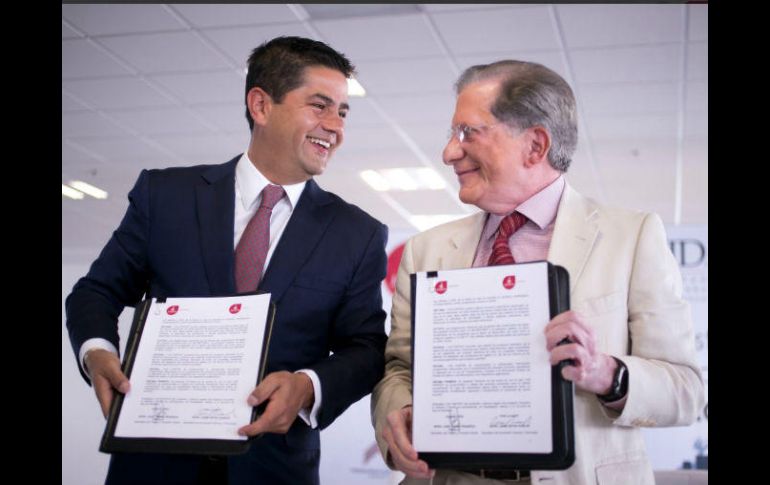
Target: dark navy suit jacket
176, 239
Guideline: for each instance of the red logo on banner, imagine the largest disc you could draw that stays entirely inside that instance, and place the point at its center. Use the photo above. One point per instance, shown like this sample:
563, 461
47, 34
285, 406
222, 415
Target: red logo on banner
441, 287
509, 281
394, 259
235, 308
172, 309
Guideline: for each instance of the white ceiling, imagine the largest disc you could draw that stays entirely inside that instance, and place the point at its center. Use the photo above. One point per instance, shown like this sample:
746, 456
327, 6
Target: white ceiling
148, 86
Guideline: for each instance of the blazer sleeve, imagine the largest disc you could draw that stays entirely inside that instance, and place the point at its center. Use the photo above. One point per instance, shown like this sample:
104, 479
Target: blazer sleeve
357, 337
394, 391
118, 278
665, 383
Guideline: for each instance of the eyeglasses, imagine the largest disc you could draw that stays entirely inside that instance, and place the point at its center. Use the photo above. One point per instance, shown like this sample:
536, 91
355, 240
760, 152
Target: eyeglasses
465, 132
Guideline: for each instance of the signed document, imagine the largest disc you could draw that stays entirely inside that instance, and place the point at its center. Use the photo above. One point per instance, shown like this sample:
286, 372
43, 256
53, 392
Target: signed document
192, 363
482, 381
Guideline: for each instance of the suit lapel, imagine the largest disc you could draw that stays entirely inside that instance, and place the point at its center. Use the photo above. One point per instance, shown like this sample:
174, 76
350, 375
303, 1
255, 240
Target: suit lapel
215, 200
575, 234
304, 230
463, 243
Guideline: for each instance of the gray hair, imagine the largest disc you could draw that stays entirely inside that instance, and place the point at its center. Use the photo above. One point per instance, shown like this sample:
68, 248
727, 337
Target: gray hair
531, 95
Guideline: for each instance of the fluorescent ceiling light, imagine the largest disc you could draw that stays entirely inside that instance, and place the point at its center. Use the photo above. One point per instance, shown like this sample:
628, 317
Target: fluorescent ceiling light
425, 222
400, 178
408, 178
375, 180
355, 88
430, 178
68, 191
89, 189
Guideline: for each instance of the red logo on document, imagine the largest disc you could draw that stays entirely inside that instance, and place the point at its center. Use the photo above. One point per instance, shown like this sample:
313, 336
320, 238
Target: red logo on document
235, 308
172, 309
509, 282
441, 287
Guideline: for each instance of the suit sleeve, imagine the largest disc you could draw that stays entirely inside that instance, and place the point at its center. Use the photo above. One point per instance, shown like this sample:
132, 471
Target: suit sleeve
357, 338
118, 278
665, 383
395, 389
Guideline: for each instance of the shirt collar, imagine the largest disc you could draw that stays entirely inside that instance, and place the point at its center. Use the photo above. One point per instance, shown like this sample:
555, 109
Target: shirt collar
250, 182
540, 208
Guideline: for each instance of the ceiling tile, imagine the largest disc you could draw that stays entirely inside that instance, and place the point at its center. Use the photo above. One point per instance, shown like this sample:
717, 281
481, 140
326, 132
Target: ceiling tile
634, 64
697, 61
339, 11
503, 30
168, 52
156, 121
88, 123
238, 42
362, 113
633, 127
80, 58
68, 103
407, 36
67, 32
696, 126
551, 59
209, 87
229, 117
72, 154
203, 149
627, 98
699, 22
115, 93
629, 152
431, 138
366, 139
128, 150
616, 25
97, 19
450, 7
395, 156
419, 108
697, 98
207, 15
406, 76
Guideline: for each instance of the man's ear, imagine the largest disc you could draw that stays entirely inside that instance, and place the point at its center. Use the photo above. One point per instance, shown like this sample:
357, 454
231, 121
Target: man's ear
260, 105
539, 145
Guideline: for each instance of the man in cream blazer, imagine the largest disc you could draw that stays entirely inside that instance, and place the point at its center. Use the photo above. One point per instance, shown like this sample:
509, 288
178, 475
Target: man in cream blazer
514, 131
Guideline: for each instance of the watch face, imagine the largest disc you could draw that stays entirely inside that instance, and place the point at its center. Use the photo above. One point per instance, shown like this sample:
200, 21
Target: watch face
619, 383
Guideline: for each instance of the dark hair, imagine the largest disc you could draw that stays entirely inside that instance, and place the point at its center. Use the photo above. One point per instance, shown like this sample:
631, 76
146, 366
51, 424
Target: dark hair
278, 66
531, 94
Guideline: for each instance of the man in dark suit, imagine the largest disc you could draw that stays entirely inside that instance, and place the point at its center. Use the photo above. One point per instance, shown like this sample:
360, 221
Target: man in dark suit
182, 235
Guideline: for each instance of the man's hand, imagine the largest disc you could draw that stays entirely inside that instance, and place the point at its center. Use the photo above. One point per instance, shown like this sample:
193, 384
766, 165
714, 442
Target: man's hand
106, 376
397, 432
593, 370
286, 394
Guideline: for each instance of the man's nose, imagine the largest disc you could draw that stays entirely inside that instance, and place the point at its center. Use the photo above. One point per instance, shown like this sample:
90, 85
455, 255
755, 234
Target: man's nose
453, 151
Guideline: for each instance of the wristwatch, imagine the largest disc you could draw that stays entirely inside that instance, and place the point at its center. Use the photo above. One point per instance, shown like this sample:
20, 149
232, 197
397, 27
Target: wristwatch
619, 386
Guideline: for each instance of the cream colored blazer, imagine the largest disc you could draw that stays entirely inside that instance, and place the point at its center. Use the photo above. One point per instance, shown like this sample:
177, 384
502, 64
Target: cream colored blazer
626, 283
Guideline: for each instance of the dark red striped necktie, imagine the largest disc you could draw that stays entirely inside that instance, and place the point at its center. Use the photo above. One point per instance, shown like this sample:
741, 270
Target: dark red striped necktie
251, 253
501, 251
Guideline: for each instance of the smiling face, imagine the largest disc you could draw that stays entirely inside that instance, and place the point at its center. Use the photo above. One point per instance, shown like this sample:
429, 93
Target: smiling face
491, 163
293, 140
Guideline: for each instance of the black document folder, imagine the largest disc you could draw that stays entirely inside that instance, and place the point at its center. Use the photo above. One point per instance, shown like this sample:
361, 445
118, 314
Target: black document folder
562, 453
111, 443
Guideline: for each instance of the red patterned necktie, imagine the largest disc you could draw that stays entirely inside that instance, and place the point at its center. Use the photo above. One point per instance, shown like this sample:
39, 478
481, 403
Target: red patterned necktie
501, 252
251, 253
